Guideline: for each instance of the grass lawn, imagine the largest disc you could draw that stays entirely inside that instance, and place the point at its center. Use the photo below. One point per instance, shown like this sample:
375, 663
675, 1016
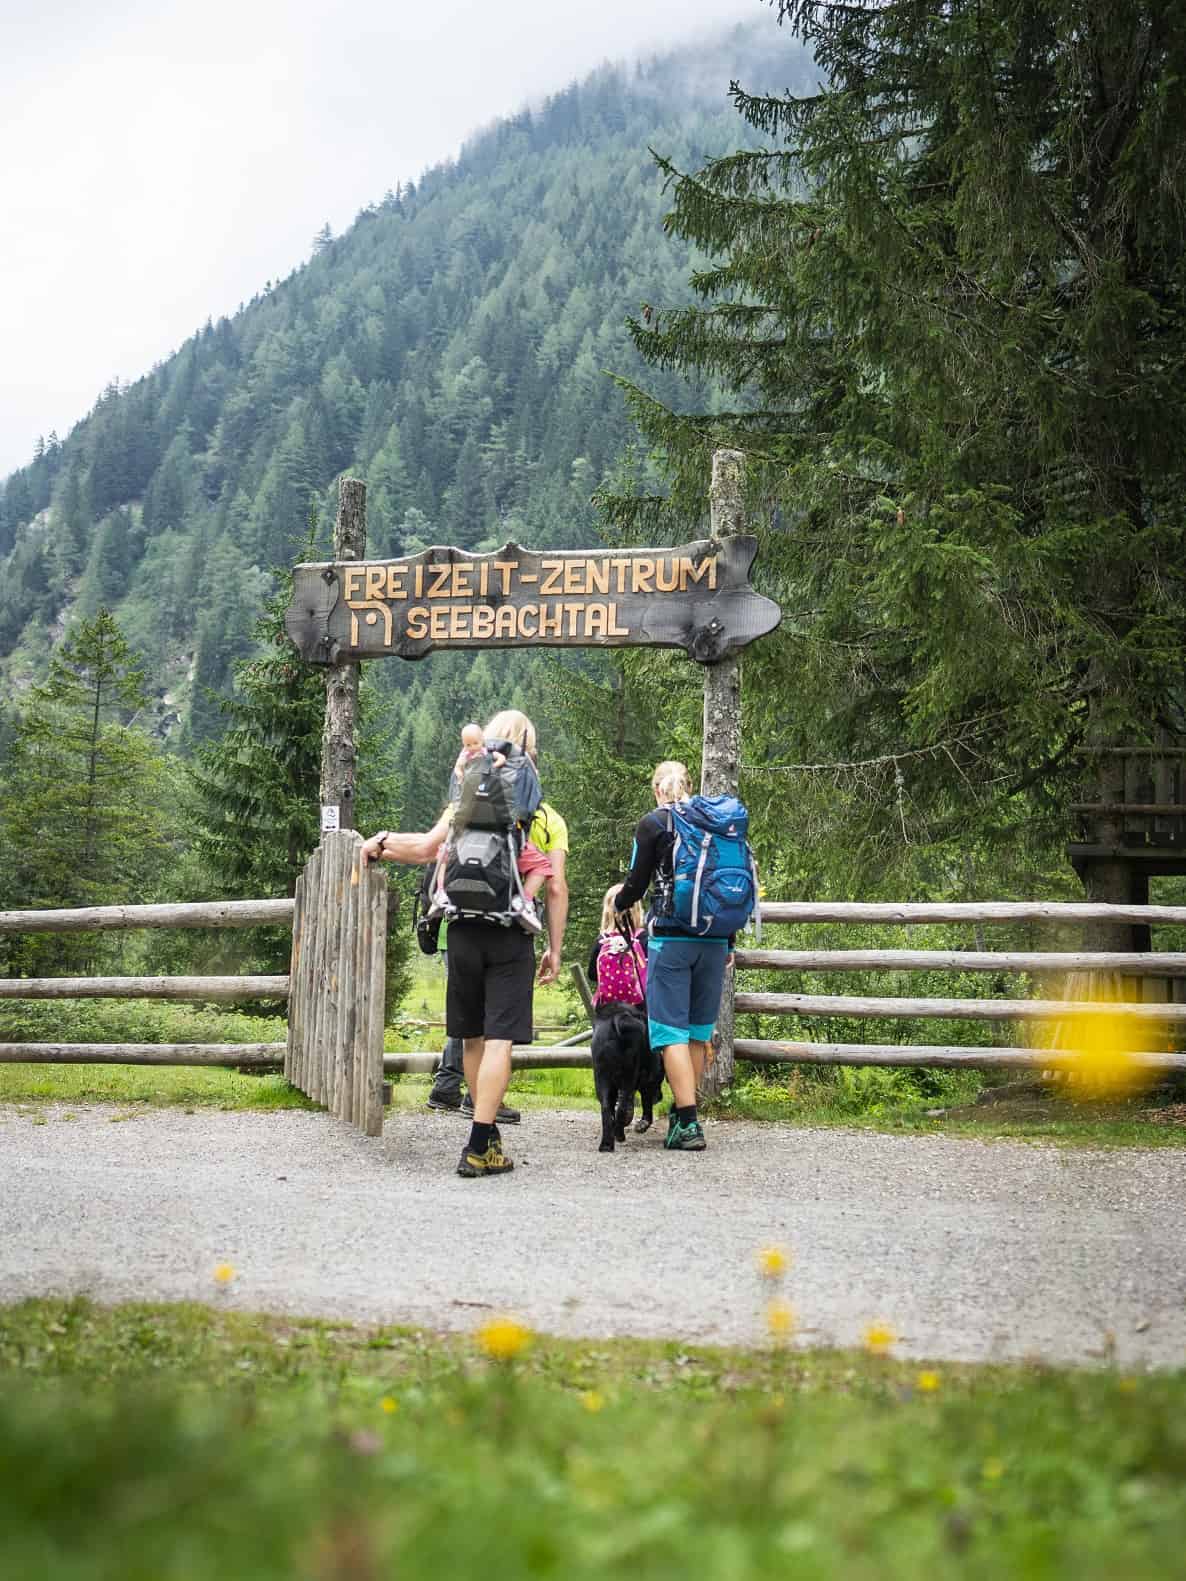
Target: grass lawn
156, 1443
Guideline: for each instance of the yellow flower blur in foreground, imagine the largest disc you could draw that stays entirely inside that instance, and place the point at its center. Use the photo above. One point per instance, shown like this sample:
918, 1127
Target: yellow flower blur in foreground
879, 1339
1100, 1047
780, 1319
927, 1382
592, 1401
223, 1274
773, 1262
388, 1406
502, 1338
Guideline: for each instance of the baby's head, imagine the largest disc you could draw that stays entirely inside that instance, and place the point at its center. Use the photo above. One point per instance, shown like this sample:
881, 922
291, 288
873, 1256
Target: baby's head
471, 738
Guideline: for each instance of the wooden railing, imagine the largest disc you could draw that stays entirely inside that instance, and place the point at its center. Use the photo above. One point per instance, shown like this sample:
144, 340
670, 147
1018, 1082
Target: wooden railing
95, 919
335, 988
1140, 796
1061, 962
334, 1048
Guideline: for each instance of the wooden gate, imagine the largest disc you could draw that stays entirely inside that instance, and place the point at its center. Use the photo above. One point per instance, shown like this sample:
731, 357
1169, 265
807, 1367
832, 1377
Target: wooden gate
336, 1002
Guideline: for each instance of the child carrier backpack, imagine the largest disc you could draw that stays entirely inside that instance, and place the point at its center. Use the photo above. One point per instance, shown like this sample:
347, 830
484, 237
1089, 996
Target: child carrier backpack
714, 886
621, 970
493, 808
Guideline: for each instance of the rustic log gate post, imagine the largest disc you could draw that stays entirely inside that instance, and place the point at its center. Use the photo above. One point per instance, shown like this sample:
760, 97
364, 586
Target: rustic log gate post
720, 770
338, 755
336, 1005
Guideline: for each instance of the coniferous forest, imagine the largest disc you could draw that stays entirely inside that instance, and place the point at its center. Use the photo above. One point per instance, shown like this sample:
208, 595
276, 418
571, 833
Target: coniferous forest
939, 304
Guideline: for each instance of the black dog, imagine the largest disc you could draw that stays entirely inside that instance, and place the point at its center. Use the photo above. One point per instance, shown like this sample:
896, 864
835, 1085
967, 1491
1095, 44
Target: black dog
623, 1064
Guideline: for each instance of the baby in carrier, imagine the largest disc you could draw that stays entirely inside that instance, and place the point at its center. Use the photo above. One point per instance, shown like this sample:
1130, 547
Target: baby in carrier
534, 867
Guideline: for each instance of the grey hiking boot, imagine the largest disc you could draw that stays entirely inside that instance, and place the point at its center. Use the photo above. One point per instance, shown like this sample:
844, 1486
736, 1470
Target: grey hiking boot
686, 1138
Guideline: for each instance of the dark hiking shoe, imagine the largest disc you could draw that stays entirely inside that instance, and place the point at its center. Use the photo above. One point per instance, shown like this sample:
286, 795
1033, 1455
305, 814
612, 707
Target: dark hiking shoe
686, 1138
449, 1102
504, 1116
492, 1162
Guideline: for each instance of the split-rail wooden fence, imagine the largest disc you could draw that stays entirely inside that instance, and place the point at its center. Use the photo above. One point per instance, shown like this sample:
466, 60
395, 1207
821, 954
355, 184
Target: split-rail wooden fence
335, 986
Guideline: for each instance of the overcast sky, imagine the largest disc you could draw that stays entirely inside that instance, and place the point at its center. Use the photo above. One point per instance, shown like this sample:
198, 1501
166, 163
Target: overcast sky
162, 159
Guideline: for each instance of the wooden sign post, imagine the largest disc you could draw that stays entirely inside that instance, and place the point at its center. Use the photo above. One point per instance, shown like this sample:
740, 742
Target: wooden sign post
720, 761
341, 682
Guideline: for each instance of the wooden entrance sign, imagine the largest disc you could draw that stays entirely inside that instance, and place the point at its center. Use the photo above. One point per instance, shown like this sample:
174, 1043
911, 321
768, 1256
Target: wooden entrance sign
695, 596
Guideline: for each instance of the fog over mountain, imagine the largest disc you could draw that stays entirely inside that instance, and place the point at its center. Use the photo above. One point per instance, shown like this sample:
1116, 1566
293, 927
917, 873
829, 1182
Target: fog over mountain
450, 347
165, 161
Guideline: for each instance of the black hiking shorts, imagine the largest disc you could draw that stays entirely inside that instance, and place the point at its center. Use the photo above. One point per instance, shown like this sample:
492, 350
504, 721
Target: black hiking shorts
491, 982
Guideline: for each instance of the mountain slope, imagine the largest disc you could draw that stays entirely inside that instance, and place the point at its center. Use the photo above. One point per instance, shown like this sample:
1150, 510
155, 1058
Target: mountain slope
450, 349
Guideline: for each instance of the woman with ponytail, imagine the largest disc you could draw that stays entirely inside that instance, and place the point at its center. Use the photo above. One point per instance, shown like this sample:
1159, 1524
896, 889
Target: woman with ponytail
685, 973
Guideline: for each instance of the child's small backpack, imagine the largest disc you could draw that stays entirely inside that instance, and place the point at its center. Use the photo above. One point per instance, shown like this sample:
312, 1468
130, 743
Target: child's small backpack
621, 971
714, 889
494, 806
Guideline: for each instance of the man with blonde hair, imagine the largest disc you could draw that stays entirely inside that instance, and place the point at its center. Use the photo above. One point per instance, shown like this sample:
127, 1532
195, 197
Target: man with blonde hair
491, 969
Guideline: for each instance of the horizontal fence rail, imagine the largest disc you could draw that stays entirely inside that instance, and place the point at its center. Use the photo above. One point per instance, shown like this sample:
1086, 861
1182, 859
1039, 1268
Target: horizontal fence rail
771, 1051
949, 1009
964, 911
191, 914
216, 988
267, 1056
263, 1054
1078, 966
527, 1056
1155, 964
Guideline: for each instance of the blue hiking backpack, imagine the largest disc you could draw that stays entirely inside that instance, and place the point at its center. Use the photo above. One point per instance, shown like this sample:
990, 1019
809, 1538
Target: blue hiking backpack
714, 889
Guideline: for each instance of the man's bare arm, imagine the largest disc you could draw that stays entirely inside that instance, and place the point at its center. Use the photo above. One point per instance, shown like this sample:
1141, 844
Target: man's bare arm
556, 908
410, 849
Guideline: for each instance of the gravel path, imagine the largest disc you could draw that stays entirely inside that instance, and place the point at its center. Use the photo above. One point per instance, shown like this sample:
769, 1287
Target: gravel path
971, 1250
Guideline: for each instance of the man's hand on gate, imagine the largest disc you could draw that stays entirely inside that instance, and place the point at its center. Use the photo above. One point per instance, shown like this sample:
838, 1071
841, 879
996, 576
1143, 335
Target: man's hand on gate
549, 966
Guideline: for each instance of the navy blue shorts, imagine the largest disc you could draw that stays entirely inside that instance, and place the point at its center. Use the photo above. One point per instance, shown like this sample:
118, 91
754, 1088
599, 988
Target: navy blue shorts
684, 981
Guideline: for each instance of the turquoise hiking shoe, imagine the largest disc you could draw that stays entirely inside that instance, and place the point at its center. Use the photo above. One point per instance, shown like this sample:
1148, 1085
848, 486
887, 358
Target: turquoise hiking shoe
686, 1138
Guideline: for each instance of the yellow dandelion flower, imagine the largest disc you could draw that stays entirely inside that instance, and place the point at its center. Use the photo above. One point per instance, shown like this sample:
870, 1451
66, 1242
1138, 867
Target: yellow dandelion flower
879, 1339
223, 1274
780, 1319
927, 1382
993, 1469
388, 1406
592, 1401
773, 1262
502, 1338
1127, 1385
1100, 1047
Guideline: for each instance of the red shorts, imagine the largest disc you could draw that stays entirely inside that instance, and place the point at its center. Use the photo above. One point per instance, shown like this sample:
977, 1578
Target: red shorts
533, 860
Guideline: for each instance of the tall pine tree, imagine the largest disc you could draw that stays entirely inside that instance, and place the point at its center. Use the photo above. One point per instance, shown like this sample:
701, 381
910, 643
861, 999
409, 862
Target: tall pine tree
83, 816
948, 302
